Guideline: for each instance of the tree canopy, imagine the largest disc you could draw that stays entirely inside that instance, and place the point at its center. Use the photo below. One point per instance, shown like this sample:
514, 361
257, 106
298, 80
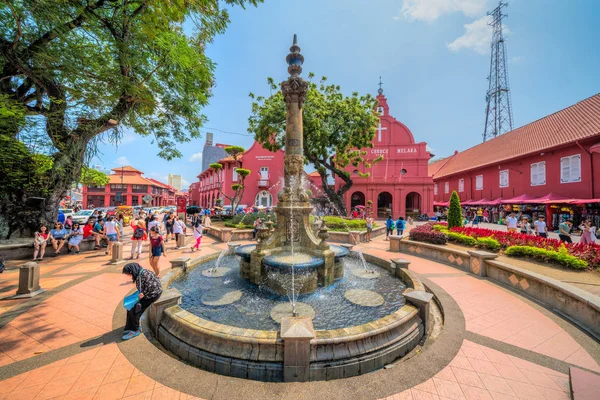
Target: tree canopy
72, 70
336, 130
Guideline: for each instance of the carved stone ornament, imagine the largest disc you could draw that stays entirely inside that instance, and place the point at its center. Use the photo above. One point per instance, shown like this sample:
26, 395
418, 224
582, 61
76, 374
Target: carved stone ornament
294, 164
263, 233
292, 229
323, 233
294, 90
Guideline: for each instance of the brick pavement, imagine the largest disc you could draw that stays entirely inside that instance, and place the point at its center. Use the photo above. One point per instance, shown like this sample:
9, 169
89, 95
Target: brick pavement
87, 282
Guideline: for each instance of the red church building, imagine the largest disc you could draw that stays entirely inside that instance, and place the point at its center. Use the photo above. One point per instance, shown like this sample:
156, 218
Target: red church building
261, 186
400, 184
552, 162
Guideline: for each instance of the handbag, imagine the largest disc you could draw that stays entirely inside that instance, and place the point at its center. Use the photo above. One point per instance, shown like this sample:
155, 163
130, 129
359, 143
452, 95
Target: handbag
130, 301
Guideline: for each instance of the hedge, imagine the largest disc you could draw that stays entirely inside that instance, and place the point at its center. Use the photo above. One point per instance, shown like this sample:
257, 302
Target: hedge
246, 221
561, 256
488, 244
460, 238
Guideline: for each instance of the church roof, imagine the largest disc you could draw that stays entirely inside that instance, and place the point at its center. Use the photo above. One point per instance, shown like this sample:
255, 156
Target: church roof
578, 122
126, 168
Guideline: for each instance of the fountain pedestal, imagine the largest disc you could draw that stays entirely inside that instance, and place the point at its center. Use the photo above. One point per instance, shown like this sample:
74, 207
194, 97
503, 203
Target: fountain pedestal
294, 236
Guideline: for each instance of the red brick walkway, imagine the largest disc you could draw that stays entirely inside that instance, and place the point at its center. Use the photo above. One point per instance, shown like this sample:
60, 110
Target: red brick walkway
84, 292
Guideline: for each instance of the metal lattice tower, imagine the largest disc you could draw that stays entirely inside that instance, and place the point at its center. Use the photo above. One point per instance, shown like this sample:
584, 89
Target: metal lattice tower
498, 113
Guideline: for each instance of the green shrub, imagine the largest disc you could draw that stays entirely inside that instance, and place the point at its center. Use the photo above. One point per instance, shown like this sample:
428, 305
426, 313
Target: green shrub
440, 228
455, 217
339, 224
488, 243
247, 221
561, 256
460, 238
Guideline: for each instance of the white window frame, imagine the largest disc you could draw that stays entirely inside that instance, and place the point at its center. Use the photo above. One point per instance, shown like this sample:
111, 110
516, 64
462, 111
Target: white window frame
574, 169
380, 110
446, 187
537, 170
234, 176
461, 185
260, 172
479, 182
506, 174
435, 189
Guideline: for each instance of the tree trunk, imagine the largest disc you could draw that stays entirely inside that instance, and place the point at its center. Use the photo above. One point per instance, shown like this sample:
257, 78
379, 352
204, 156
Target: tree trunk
65, 171
335, 197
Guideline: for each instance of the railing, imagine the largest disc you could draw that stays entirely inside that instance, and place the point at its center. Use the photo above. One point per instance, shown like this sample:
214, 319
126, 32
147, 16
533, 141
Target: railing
95, 189
263, 183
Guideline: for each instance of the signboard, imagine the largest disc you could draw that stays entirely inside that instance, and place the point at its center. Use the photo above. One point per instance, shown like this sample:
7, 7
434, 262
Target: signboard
181, 203
147, 198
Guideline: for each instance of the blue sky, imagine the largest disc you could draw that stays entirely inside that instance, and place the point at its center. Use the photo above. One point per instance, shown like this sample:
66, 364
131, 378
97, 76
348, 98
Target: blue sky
432, 55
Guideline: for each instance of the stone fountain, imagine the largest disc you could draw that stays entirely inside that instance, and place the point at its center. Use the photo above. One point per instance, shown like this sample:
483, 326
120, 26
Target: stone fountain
292, 251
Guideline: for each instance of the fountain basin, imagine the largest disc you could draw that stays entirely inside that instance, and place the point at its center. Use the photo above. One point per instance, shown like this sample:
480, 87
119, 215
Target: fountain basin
339, 350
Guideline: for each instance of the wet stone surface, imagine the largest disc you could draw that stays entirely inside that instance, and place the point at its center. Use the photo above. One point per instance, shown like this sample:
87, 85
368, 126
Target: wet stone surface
365, 298
216, 272
217, 298
253, 310
366, 273
285, 310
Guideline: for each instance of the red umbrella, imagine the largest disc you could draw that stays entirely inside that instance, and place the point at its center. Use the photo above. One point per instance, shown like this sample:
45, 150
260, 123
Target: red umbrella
359, 206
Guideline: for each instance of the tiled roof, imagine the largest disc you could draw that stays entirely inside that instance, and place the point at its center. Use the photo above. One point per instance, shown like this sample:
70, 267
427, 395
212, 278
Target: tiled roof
128, 180
577, 122
230, 159
315, 173
126, 168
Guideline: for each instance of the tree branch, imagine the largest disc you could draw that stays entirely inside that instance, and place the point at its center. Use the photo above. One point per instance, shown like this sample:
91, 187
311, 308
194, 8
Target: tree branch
18, 22
74, 23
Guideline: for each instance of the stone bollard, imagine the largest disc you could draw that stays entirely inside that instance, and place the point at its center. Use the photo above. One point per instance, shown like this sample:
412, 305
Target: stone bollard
29, 281
296, 332
477, 265
169, 298
181, 262
117, 253
354, 237
421, 300
395, 243
399, 263
180, 240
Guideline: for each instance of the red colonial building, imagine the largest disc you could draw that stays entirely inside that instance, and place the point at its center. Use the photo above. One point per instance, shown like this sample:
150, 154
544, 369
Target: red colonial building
400, 184
261, 186
132, 187
554, 162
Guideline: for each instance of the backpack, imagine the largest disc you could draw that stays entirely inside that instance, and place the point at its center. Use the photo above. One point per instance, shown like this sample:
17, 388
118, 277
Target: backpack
138, 233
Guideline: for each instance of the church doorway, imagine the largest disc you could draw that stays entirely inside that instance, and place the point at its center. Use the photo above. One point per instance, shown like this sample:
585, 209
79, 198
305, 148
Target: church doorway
413, 204
357, 199
384, 205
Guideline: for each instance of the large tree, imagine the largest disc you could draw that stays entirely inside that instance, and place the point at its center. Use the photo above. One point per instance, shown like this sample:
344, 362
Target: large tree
336, 130
73, 70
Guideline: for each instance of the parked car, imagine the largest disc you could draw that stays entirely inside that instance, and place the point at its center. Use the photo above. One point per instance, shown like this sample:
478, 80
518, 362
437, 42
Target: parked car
82, 216
111, 211
66, 211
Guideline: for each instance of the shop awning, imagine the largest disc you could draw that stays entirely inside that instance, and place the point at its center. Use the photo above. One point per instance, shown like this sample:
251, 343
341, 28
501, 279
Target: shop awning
588, 201
496, 202
517, 200
595, 148
479, 202
550, 198
441, 203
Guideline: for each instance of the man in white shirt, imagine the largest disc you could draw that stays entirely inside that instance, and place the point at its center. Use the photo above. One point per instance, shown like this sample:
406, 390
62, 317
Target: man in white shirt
112, 233
511, 222
153, 223
540, 226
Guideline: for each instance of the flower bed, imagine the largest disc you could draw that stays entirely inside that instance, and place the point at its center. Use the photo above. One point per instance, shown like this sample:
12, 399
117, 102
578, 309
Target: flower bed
561, 256
590, 253
426, 233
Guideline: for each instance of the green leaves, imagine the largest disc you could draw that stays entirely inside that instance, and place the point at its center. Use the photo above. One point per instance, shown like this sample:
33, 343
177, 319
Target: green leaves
455, 218
216, 166
242, 172
90, 176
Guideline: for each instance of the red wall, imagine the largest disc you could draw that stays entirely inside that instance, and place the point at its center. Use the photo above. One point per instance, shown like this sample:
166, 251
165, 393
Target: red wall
520, 177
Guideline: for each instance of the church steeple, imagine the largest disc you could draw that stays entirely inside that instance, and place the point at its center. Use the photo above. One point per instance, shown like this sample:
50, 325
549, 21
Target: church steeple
382, 106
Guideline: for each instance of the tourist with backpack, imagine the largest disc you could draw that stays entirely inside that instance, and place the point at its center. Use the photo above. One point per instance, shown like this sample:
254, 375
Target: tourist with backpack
400, 226
390, 225
138, 238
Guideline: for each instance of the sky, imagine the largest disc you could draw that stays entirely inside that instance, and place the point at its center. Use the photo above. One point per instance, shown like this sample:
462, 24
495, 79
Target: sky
433, 57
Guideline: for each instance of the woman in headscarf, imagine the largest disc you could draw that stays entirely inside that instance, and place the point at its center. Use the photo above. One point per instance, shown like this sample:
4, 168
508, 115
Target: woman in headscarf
150, 290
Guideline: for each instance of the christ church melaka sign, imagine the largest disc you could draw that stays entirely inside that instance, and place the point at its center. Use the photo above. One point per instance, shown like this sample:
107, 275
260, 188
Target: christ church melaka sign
400, 150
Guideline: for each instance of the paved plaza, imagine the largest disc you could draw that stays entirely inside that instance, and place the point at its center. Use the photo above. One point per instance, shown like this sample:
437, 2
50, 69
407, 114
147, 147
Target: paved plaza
66, 343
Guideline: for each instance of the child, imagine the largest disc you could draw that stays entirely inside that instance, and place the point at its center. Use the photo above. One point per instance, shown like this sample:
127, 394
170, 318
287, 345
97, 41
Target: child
198, 228
157, 249
75, 237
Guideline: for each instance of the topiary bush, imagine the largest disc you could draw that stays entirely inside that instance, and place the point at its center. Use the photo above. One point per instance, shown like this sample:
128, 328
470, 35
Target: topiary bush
339, 224
561, 256
455, 218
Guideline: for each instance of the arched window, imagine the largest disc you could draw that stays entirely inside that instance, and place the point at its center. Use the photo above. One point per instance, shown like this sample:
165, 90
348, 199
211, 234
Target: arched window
402, 171
264, 199
380, 110
355, 172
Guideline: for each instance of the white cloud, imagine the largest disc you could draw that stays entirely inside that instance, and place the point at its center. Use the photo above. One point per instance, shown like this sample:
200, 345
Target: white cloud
477, 37
122, 161
430, 10
197, 157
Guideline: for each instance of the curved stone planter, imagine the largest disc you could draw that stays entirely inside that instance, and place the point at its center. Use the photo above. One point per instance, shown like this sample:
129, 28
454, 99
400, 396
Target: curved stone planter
260, 355
579, 305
